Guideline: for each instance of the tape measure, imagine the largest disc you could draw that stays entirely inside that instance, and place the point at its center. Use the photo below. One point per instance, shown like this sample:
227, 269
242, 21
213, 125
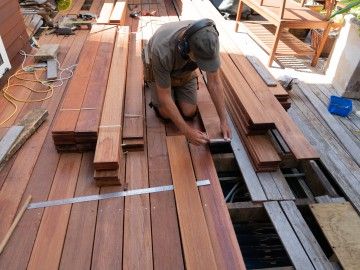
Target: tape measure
119, 194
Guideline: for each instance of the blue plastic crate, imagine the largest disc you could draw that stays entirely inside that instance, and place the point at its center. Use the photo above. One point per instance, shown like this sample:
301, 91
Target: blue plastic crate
340, 106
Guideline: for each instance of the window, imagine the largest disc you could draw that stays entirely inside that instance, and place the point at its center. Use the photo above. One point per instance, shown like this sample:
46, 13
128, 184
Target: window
4, 60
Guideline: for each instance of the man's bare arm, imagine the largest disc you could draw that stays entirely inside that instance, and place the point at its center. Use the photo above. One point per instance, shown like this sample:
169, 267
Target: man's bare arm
216, 91
168, 109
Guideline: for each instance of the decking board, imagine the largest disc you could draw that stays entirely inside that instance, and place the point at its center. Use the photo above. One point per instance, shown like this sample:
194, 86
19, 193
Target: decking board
198, 251
46, 253
108, 238
137, 224
165, 235
77, 249
226, 247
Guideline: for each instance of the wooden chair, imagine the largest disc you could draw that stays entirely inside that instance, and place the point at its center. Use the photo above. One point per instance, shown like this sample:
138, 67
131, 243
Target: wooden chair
282, 15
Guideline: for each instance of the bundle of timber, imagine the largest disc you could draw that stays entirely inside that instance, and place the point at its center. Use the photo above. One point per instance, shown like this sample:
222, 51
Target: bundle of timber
112, 177
123, 112
253, 105
274, 86
133, 123
109, 154
281, 95
77, 122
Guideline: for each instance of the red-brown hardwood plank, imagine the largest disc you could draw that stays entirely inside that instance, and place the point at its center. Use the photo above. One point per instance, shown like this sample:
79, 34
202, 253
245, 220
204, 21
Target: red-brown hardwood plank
50, 238
165, 225
137, 224
77, 250
110, 129
197, 247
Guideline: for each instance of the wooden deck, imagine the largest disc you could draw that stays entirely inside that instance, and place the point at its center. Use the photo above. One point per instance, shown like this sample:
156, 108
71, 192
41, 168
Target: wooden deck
139, 232
152, 231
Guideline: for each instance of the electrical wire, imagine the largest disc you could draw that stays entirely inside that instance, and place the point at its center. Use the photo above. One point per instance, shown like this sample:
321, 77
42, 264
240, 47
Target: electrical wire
31, 69
228, 196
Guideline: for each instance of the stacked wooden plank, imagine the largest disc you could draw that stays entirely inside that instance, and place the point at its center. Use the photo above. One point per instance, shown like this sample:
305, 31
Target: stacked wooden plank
274, 86
89, 116
12, 30
76, 125
133, 131
112, 12
259, 146
209, 115
108, 154
251, 103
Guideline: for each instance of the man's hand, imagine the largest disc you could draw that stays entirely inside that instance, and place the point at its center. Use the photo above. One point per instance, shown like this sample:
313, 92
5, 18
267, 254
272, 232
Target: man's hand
226, 132
196, 137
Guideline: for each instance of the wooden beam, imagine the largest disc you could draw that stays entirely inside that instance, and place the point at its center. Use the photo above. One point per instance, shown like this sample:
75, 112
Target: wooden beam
270, 188
282, 185
78, 247
109, 234
252, 181
288, 237
306, 237
67, 117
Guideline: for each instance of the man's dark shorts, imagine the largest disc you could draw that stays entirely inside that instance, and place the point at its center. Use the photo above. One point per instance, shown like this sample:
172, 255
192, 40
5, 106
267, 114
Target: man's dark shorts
185, 93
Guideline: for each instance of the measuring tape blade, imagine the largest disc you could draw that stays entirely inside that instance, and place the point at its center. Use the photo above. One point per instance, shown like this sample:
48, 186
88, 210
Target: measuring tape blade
109, 195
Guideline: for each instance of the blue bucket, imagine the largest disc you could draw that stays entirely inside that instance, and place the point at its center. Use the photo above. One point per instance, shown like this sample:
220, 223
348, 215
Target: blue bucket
340, 106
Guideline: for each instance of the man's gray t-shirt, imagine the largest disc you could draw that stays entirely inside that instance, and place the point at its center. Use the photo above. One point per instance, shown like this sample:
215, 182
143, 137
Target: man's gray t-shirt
167, 62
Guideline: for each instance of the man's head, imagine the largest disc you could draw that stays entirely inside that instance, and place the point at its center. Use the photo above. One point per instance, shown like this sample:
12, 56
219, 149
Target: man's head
201, 43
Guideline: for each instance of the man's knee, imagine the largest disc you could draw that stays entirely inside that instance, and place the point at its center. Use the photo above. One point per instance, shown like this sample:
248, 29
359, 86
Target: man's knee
162, 113
188, 110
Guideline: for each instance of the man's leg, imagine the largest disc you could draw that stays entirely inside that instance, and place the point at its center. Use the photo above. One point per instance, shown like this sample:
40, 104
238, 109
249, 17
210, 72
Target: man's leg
155, 103
186, 98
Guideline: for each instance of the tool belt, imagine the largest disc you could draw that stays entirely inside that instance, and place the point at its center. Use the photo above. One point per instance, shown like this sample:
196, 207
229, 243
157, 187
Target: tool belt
149, 75
183, 80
